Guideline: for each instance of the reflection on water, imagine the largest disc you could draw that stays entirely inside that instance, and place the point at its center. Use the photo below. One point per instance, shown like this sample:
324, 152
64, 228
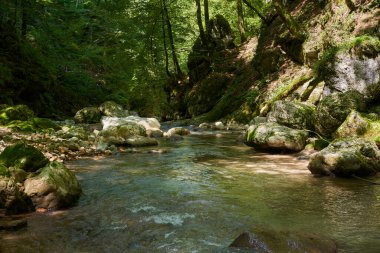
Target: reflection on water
197, 197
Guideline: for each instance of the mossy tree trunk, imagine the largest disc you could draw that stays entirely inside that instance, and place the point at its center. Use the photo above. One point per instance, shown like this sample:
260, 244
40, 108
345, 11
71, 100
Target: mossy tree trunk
164, 39
207, 17
294, 28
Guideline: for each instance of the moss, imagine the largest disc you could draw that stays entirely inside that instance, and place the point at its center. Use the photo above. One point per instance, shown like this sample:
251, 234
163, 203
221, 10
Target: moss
4, 172
23, 156
22, 126
18, 112
42, 123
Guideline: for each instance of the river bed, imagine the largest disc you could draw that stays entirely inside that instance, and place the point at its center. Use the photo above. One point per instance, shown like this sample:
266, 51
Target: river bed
198, 195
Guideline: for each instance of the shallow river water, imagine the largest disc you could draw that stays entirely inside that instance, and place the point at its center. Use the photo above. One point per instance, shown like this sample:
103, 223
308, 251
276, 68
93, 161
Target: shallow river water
198, 196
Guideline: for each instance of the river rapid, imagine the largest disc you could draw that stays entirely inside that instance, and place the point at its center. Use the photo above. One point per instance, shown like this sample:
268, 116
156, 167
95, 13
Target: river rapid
198, 195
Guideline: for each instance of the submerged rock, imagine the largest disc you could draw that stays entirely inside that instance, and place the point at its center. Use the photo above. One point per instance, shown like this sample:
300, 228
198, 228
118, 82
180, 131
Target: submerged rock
23, 156
266, 241
54, 187
293, 114
88, 115
274, 137
178, 131
345, 158
12, 224
334, 109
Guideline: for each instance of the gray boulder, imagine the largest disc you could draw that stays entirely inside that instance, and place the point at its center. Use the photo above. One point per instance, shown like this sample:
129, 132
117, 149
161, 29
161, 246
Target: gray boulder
354, 70
293, 114
54, 187
333, 110
178, 131
275, 137
12, 199
140, 141
88, 115
117, 135
345, 158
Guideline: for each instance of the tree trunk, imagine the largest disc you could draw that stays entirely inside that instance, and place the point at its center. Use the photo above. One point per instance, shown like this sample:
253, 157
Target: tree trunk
256, 11
164, 39
177, 68
199, 21
24, 18
207, 17
293, 27
239, 7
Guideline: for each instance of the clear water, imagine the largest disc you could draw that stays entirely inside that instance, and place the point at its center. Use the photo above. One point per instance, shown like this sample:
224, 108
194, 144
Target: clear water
198, 197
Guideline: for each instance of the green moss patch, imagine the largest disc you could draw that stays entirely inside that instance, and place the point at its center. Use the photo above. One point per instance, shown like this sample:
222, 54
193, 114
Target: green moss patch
17, 112
23, 156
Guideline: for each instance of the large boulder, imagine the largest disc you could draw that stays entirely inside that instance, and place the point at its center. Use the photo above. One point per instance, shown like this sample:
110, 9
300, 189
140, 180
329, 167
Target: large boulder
147, 123
355, 69
293, 114
118, 135
88, 115
12, 199
140, 141
17, 112
346, 158
333, 110
177, 131
266, 240
23, 156
354, 125
275, 137
112, 109
54, 187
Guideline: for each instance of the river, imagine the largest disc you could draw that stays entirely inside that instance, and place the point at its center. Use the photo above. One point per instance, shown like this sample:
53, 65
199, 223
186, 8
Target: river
198, 195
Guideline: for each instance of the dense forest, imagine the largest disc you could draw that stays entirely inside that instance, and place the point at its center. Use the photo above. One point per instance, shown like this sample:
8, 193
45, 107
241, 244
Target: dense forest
59, 56
176, 125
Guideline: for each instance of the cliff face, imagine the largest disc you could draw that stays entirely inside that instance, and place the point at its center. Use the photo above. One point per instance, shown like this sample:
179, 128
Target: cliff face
341, 49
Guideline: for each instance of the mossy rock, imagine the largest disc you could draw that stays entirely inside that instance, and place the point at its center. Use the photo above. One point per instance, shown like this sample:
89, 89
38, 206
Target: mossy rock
23, 156
4, 171
112, 109
22, 126
17, 112
43, 123
333, 110
88, 115
54, 187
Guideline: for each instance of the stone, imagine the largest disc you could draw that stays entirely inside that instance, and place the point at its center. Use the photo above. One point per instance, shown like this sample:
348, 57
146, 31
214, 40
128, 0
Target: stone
356, 69
274, 137
266, 240
354, 125
12, 199
53, 188
219, 125
293, 114
23, 156
140, 141
155, 133
147, 123
178, 131
333, 110
204, 126
112, 109
42, 123
346, 158
316, 95
117, 135
17, 112
88, 115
